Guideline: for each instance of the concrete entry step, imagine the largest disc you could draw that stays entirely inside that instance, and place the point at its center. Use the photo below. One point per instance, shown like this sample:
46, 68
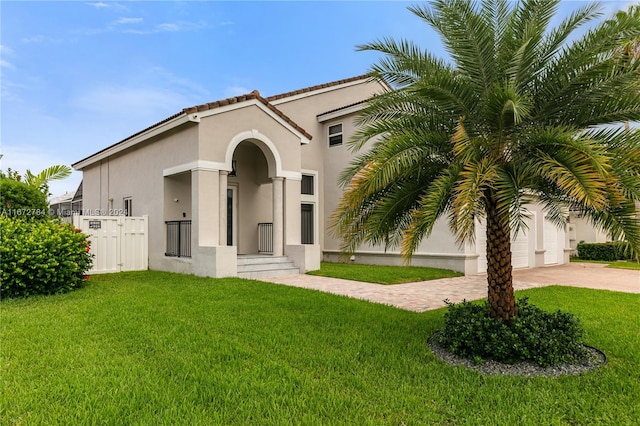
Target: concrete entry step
264, 266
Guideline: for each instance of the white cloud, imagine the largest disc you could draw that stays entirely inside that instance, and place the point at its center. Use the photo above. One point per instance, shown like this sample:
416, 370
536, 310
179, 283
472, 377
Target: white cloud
124, 21
235, 91
108, 5
5, 50
169, 79
141, 104
169, 27
10, 90
99, 5
33, 39
39, 38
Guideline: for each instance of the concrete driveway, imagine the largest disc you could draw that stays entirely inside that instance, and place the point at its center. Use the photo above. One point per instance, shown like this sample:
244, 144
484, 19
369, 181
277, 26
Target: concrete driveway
427, 295
589, 275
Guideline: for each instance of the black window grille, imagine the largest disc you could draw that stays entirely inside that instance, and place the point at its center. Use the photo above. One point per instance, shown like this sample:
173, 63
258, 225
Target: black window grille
178, 238
306, 216
265, 238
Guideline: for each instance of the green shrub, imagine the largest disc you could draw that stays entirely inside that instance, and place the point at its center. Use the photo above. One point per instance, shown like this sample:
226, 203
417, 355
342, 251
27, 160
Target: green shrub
17, 199
610, 252
534, 335
41, 257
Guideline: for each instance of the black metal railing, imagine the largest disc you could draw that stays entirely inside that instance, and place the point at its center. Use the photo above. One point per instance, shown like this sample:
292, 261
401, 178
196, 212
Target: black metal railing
178, 238
265, 238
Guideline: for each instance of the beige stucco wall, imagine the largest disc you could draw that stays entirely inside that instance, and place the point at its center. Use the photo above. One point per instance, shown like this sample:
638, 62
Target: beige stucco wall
315, 156
440, 249
138, 173
177, 197
583, 230
217, 131
263, 146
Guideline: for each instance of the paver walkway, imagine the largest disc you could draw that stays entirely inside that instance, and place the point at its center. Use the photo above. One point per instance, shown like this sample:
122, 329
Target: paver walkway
427, 295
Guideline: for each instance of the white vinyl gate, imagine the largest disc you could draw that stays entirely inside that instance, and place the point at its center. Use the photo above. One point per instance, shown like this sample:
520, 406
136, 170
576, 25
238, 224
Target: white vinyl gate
119, 243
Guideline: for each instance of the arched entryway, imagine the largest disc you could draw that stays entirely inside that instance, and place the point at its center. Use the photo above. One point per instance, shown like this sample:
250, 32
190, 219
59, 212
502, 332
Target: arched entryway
253, 208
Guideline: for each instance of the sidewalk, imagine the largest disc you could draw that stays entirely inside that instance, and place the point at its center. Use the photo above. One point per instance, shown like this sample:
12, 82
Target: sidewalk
427, 295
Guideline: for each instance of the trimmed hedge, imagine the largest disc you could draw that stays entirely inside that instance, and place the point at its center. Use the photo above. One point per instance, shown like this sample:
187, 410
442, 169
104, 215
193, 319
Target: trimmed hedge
610, 252
41, 257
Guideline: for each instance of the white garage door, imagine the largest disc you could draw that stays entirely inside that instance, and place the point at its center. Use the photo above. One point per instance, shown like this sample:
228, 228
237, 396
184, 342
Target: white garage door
519, 247
550, 242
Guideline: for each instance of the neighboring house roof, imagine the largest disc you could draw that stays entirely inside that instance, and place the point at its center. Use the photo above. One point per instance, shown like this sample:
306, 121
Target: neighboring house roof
65, 198
188, 115
78, 194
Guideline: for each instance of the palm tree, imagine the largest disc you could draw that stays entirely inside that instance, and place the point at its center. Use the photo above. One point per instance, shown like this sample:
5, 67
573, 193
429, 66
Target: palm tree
514, 116
42, 179
629, 50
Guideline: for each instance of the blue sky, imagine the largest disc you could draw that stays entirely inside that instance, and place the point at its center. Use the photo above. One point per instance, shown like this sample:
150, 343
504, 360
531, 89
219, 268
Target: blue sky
78, 76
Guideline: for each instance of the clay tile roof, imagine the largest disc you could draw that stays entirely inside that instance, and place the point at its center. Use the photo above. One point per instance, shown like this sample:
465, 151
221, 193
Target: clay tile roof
253, 95
249, 96
318, 87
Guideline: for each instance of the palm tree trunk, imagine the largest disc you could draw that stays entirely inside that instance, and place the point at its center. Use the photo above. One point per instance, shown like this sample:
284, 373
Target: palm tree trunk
499, 277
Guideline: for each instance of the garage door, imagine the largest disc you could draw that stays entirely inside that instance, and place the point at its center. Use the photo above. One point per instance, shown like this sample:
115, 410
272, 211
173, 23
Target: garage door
519, 247
550, 242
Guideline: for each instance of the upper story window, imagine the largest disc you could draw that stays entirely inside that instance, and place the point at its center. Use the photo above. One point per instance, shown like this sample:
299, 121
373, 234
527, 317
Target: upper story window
307, 185
335, 134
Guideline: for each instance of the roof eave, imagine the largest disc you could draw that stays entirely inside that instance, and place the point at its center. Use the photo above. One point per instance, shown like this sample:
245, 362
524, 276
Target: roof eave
341, 112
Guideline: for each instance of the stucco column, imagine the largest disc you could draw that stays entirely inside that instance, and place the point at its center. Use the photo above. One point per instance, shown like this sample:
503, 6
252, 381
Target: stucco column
204, 208
278, 216
292, 202
222, 205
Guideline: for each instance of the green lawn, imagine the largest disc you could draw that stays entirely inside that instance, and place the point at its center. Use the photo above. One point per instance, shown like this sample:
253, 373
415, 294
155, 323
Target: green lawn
624, 265
382, 274
154, 348
615, 265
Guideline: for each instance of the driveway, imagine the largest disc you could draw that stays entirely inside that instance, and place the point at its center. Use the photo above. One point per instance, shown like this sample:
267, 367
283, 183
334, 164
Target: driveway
589, 275
427, 295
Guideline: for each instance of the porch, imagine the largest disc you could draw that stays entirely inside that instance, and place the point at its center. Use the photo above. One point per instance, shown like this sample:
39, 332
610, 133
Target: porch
250, 266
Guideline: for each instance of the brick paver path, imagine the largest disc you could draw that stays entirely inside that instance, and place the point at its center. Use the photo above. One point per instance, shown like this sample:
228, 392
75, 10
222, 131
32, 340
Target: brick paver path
426, 295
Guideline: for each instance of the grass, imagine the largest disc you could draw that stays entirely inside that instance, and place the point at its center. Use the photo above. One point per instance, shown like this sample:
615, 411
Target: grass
153, 348
614, 265
624, 265
382, 274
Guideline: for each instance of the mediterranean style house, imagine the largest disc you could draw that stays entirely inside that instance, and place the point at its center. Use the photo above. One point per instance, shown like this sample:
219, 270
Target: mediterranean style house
245, 187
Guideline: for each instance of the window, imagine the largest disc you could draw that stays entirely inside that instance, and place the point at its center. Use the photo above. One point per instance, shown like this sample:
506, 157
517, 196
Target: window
128, 207
335, 134
307, 185
307, 223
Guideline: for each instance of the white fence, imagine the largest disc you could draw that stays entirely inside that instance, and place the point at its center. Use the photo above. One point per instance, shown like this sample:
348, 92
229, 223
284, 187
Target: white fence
119, 243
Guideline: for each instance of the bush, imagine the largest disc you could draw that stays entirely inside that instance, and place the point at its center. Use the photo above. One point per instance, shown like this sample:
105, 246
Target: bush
610, 252
41, 257
534, 335
18, 199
